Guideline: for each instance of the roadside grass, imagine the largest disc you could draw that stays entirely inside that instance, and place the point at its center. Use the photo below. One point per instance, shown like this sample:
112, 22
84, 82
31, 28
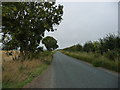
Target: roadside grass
16, 74
96, 60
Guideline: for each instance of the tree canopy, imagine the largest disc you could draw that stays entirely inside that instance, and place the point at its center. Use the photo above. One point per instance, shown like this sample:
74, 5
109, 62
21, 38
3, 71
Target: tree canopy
88, 47
50, 43
110, 42
24, 23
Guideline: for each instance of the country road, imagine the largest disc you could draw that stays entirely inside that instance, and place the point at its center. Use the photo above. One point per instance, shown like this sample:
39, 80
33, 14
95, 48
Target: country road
67, 72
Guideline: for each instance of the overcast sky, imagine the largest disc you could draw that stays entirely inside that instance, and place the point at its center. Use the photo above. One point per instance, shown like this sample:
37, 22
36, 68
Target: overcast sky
84, 21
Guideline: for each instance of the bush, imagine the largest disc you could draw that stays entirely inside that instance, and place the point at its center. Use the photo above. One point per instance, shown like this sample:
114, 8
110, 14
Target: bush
48, 61
96, 55
39, 55
96, 59
97, 63
112, 55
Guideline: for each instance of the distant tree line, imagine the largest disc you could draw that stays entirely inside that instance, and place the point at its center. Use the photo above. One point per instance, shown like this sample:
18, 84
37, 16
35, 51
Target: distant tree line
109, 45
77, 47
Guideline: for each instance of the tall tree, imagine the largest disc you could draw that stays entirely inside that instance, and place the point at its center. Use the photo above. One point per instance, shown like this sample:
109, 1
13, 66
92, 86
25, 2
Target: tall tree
50, 43
96, 45
110, 42
26, 22
89, 47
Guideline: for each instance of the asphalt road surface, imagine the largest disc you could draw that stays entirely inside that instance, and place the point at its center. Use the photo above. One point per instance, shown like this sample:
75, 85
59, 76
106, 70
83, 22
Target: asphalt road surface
68, 72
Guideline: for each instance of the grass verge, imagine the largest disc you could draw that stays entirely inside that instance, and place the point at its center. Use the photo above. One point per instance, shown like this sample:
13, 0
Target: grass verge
95, 59
16, 74
33, 75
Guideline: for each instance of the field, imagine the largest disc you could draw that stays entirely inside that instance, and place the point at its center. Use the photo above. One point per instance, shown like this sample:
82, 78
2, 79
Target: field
96, 60
15, 74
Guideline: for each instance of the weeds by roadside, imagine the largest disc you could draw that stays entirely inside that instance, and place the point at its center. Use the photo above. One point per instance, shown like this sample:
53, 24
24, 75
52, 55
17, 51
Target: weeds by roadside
15, 74
96, 60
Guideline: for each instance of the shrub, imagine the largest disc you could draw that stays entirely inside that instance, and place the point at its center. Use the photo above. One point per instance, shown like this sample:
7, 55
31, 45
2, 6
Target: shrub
96, 59
97, 63
48, 61
112, 55
96, 55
